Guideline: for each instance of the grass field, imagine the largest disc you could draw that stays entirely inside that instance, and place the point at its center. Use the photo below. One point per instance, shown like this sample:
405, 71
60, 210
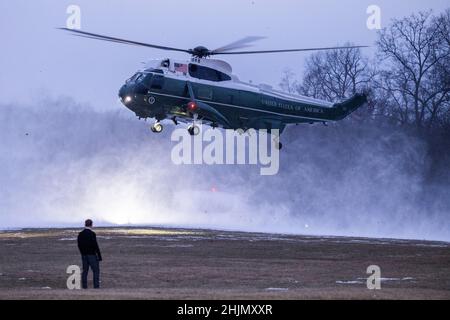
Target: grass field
157, 263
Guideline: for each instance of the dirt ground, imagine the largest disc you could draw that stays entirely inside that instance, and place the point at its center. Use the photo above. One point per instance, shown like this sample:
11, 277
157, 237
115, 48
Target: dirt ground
157, 263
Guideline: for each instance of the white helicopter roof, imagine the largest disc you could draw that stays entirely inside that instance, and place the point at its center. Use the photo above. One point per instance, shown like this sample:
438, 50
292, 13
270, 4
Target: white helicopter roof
219, 65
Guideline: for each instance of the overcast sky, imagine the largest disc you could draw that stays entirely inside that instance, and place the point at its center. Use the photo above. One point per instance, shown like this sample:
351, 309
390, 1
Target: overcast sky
39, 61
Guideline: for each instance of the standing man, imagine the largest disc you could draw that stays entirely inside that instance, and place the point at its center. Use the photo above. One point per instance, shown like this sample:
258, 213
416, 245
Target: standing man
90, 254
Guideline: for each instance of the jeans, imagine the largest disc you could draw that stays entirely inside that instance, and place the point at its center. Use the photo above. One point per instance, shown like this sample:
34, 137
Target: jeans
92, 262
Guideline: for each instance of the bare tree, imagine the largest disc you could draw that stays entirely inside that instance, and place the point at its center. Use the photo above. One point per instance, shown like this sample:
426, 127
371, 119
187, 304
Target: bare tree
288, 82
441, 104
443, 24
415, 51
335, 75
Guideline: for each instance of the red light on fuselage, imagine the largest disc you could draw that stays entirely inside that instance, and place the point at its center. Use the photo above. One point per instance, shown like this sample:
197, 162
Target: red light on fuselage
191, 106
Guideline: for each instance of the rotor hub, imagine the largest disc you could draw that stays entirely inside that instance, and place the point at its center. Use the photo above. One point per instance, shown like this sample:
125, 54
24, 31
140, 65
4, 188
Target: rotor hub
200, 51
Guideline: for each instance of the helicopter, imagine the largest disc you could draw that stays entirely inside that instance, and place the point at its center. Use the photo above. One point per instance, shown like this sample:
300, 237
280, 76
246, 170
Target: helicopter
205, 90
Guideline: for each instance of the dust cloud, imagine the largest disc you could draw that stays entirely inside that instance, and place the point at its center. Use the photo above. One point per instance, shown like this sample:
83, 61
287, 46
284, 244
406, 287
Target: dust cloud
62, 162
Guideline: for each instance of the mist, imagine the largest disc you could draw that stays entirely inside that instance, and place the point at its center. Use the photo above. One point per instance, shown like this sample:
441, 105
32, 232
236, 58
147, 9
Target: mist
62, 162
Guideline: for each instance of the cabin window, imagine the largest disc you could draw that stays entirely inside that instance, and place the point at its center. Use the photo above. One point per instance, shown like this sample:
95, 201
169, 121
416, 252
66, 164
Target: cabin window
157, 81
165, 63
147, 81
205, 73
224, 76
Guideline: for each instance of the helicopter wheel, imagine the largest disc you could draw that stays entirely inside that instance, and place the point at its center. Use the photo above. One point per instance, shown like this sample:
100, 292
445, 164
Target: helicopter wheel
194, 130
240, 131
156, 127
278, 145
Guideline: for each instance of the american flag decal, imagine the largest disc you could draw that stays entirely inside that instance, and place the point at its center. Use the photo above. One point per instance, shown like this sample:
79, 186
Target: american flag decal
180, 67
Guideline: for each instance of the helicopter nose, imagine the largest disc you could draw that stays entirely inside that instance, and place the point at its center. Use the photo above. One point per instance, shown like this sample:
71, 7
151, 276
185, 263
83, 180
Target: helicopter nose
126, 95
122, 91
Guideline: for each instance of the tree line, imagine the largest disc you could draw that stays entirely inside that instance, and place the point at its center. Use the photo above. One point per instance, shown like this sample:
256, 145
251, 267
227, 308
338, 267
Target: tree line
407, 81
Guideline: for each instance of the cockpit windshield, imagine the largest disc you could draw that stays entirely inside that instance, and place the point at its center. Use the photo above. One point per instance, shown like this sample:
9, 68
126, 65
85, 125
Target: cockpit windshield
136, 77
153, 78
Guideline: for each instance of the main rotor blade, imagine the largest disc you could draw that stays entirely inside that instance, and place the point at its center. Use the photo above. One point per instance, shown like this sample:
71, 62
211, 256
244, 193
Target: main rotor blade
242, 43
288, 50
118, 40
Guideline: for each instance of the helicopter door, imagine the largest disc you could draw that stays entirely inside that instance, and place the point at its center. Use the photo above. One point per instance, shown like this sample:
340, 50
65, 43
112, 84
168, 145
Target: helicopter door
157, 81
205, 93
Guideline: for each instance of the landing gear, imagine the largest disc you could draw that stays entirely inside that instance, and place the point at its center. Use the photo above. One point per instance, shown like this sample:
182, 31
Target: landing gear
278, 145
193, 130
240, 131
157, 127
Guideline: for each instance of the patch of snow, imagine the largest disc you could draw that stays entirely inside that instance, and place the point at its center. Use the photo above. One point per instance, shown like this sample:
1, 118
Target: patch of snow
277, 289
391, 279
431, 245
349, 282
178, 246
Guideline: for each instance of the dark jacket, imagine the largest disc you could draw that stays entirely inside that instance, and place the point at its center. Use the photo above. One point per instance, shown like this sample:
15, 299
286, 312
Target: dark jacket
87, 243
